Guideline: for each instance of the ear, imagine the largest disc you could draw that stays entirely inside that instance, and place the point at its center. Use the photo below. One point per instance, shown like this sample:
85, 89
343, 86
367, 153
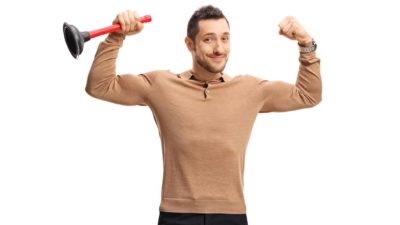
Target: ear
189, 44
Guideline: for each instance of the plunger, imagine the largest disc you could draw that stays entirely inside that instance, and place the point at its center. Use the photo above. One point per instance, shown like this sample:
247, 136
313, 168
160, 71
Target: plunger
76, 39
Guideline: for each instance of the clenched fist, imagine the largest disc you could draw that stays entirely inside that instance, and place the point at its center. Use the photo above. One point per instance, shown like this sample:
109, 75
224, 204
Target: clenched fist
292, 29
129, 21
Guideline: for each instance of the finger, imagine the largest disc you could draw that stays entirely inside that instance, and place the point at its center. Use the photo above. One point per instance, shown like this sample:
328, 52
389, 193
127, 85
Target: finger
139, 25
282, 25
127, 22
136, 17
289, 30
285, 21
131, 20
290, 19
121, 21
284, 29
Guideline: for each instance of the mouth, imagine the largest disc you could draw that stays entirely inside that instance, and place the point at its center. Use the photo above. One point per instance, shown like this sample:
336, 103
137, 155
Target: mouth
217, 58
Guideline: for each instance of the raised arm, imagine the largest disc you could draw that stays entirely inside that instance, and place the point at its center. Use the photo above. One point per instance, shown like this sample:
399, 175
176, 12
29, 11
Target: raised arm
306, 92
103, 81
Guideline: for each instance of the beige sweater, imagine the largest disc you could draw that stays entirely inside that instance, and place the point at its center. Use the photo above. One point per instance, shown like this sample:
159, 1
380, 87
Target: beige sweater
204, 133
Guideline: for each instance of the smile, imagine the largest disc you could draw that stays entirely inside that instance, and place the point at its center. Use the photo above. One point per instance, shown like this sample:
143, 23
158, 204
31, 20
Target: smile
217, 58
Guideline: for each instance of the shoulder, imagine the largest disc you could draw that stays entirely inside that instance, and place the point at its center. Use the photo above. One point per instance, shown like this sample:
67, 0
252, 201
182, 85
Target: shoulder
156, 75
261, 84
249, 79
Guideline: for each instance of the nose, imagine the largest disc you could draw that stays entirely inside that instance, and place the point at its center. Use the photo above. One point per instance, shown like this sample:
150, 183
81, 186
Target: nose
218, 48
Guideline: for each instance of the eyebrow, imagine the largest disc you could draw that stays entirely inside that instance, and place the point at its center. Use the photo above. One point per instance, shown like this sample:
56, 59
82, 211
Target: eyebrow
207, 34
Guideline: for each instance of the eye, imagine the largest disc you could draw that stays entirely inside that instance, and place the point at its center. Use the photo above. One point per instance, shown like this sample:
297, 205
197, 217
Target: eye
225, 39
207, 40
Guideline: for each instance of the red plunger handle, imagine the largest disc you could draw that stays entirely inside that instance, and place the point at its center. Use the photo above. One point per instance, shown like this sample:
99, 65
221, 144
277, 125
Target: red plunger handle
115, 27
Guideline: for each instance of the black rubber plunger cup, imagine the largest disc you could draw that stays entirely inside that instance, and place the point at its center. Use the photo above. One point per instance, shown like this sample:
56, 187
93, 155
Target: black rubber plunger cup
75, 39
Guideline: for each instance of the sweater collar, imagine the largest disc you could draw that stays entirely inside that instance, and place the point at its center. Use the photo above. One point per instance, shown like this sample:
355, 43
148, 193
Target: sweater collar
188, 76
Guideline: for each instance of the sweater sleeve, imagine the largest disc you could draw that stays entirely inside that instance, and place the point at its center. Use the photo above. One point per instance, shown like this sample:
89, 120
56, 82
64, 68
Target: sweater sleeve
280, 96
103, 82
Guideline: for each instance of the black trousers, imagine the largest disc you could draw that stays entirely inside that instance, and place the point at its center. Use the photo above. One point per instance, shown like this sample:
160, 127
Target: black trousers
170, 218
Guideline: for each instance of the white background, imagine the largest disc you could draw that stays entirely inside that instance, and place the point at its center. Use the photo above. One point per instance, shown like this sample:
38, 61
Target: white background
67, 158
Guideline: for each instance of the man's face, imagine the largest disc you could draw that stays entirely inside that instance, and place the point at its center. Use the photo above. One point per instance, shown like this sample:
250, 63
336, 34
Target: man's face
212, 45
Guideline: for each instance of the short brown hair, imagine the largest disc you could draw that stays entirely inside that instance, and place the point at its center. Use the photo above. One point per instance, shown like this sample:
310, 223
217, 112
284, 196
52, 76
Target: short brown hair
203, 13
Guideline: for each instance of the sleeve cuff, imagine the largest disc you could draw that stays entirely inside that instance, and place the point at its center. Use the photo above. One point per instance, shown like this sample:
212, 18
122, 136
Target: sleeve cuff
308, 57
115, 38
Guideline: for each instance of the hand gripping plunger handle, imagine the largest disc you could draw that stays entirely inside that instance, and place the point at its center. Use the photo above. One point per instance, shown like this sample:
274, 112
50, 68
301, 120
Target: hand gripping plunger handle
75, 39
115, 27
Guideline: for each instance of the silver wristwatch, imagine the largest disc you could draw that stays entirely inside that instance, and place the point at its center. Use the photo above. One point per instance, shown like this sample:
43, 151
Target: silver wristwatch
308, 49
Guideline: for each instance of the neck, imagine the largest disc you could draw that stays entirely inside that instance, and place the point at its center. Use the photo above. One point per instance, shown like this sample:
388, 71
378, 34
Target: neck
204, 75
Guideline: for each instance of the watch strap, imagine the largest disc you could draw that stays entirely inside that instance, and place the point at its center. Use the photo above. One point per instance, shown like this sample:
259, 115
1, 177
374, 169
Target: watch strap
308, 49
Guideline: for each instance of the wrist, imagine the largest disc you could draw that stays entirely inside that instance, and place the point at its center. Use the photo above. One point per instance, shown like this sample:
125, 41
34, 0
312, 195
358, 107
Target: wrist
310, 46
306, 42
116, 35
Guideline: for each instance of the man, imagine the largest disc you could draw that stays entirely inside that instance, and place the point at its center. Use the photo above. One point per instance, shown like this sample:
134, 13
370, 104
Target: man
204, 116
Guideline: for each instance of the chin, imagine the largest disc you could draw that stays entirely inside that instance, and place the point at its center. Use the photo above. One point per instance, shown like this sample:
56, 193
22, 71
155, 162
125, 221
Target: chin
219, 70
